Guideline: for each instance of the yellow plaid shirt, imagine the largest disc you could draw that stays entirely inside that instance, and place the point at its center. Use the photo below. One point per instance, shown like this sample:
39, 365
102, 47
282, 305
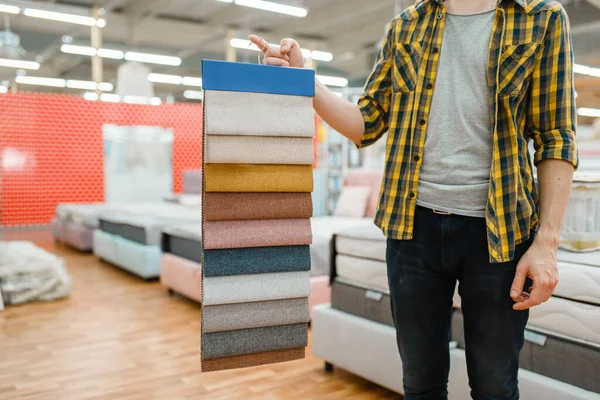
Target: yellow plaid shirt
531, 96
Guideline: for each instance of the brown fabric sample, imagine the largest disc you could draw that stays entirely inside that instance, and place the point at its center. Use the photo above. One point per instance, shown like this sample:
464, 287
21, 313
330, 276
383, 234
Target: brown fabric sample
252, 360
258, 178
241, 206
257, 233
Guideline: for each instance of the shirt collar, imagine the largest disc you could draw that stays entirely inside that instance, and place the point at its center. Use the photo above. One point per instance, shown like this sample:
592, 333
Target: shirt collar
522, 3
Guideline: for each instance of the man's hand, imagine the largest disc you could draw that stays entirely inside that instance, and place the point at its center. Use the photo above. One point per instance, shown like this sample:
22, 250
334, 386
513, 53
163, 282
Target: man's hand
538, 264
287, 54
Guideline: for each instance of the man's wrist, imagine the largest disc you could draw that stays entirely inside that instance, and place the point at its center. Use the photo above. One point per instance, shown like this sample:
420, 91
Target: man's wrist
548, 237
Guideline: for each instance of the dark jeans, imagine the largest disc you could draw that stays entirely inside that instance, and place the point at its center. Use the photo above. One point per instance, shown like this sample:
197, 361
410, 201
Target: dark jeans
422, 275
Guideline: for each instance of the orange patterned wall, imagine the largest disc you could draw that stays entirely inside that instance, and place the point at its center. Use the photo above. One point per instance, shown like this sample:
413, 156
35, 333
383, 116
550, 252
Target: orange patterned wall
51, 149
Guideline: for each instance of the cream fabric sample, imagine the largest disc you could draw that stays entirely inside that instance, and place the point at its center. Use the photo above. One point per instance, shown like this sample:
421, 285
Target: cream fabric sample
259, 150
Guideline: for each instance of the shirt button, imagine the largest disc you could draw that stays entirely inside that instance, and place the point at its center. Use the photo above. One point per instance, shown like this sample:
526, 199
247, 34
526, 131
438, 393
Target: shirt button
429, 86
422, 122
440, 16
411, 195
435, 50
416, 158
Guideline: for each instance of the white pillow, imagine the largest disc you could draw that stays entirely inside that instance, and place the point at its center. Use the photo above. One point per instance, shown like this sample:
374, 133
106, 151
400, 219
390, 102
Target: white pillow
352, 201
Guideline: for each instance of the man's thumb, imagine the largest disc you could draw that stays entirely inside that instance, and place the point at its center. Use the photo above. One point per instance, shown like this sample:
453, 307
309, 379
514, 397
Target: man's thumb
518, 283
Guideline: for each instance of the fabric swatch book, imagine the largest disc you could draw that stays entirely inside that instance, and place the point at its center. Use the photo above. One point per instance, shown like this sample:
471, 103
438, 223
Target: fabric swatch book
256, 206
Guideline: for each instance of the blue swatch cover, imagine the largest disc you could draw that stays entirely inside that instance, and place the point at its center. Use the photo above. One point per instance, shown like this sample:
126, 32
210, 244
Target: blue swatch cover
256, 78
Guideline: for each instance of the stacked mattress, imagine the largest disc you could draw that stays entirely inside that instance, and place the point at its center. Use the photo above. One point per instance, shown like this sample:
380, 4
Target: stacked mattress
181, 268
257, 207
131, 237
581, 230
359, 283
562, 340
75, 223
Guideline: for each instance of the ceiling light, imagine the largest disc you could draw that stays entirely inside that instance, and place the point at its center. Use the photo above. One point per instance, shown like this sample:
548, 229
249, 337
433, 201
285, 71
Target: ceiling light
89, 85
164, 78
153, 58
248, 45
80, 50
113, 54
192, 81
273, 7
5, 62
155, 101
193, 94
5, 8
3, 89
589, 112
92, 96
321, 55
110, 97
585, 70
62, 17
101, 23
34, 80
332, 81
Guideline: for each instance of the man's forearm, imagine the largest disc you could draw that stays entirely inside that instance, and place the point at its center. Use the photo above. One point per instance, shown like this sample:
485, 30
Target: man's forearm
555, 178
340, 114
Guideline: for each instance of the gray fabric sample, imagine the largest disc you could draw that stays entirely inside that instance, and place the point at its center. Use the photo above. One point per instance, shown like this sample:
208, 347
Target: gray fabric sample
258, 114
256, 287
455, 173
256, 260
365, 303
249, 341
257, 314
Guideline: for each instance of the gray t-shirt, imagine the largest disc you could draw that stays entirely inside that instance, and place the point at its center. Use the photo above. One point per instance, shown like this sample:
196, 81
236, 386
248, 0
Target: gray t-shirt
457, 158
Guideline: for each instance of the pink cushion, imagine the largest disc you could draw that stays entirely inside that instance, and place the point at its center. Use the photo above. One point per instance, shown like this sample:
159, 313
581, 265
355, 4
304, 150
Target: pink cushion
181, 275
352, 202
373, 179
320, 292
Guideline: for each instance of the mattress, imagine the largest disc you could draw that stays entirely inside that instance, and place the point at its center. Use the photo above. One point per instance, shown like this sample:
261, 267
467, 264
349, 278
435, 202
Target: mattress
369, 350
188, 200
367, 273
257, 287
83, 214
145, 226
569, 318
579, 282
182, 276
590, 258
362, 302
323, 229
559, 358
363, 242
139, 259
184, 241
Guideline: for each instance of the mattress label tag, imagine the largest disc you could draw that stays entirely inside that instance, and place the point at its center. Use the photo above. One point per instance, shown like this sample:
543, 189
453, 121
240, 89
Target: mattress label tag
373, 295
535, 338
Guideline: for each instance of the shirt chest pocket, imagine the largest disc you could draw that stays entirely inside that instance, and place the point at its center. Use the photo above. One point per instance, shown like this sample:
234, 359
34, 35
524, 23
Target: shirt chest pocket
516, 66
407, 58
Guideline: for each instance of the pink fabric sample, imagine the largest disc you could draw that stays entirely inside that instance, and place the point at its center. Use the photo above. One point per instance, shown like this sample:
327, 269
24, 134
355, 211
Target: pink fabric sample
257, 233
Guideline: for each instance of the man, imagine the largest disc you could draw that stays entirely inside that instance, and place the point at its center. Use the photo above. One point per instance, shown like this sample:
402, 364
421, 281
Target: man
461, 87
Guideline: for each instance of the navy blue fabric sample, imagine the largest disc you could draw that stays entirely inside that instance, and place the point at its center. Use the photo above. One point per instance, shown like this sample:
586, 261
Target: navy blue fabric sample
256, 260
256, 78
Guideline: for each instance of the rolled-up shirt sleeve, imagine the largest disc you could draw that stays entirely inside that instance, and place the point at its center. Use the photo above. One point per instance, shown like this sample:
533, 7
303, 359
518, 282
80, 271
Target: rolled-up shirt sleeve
552, 113
375, 103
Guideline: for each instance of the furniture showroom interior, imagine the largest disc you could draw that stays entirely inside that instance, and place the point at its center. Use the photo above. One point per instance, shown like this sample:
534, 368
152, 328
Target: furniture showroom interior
179, 220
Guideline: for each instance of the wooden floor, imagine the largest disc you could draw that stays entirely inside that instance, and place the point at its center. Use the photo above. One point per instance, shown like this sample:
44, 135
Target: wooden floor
120, 338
